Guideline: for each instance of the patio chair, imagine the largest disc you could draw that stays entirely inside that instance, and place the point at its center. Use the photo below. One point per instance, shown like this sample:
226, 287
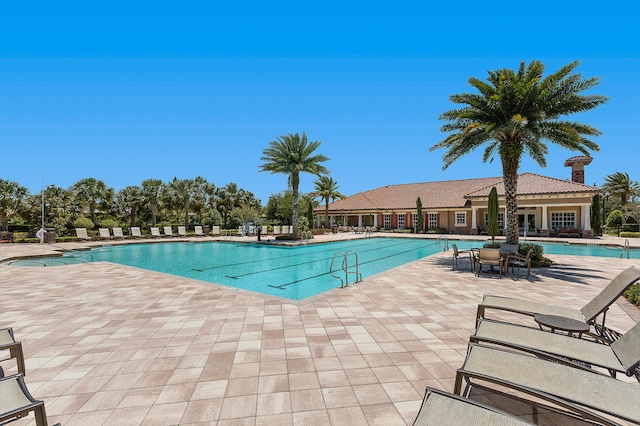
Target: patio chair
276, 229
182, 231
117, 233
81, 233
563, 232
516, 259
215, 230
492, 257
457, 253
574, 233
264, 230
574, 389
8, 343
445, 409
168, 232
135, 231
104, 233
621, 356
198, 231
588, 314
17, 402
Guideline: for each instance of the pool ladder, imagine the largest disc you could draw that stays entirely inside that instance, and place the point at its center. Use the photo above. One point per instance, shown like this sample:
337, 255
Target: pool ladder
443, 242
345, 268
305, 237
627, 249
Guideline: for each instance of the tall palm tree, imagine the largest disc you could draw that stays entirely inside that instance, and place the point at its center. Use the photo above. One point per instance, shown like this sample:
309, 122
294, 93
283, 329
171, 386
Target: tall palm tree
513, 114
129, 200
326, 189
619, 183
183, 190
151, 189
292, 154
93, 192
12, 194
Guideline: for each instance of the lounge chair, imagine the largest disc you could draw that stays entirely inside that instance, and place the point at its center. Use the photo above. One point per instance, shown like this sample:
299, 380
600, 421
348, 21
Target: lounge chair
577, 390
276, 229
457, 253
155, 231
563, 232
621, 356
104, 233
117, 233
81, 233
17, 402
516, 259
168, 232
492, 257
8, 343
588, 314
215, 230
444, 409
198, 231
264, 230
135, 231
182, 231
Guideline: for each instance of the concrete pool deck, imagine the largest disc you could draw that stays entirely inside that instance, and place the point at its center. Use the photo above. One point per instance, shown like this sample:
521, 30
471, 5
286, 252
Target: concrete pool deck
109, 344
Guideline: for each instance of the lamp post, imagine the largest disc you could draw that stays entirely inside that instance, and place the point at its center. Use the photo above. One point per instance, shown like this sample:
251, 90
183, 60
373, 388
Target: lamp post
604, 216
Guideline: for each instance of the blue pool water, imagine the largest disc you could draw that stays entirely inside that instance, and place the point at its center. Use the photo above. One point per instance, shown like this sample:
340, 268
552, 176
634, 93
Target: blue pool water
291, 272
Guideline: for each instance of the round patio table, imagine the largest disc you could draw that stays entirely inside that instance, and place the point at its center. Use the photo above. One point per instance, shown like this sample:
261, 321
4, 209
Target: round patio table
555, 322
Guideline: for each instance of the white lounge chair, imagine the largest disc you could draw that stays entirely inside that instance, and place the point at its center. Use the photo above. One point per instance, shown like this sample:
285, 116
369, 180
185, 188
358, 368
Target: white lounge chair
198, 231
81, 233
168, 232
104, 233
155, 231
276, 229
182, 231
135, 232
264, 230
117, 233
215, 230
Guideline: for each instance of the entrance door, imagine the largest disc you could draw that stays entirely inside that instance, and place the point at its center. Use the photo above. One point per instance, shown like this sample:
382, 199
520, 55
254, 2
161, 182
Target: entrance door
529, 219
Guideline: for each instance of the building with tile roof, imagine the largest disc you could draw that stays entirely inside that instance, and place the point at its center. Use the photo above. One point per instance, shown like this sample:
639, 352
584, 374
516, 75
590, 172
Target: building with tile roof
545, 205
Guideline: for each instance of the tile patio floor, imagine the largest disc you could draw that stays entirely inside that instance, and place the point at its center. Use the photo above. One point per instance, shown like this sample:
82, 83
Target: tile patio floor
109, 344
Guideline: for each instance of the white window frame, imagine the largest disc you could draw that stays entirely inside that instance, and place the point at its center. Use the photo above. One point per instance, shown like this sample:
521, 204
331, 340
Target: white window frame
404, 223
500, 220
457, 219
386, 220
414, 220
432, 222
563, 219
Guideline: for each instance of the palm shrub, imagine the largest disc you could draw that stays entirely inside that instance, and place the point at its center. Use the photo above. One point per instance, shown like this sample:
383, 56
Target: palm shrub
83, 222
633, 294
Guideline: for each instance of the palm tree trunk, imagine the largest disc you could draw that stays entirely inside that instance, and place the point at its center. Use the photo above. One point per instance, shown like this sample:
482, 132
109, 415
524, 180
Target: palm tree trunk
295, 181
154, 212
510, 174
186, 213
326, 212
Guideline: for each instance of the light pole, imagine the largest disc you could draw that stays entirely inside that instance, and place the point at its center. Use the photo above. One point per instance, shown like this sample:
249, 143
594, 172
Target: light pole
604, 216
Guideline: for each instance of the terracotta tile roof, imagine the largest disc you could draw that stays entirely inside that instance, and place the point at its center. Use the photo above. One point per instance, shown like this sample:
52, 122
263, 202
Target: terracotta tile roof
534, 184
452, 193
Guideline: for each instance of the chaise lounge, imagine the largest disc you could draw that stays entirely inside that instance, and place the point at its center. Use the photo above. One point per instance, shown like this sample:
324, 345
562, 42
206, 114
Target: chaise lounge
8, 343
588, 314
16, 401
574, 389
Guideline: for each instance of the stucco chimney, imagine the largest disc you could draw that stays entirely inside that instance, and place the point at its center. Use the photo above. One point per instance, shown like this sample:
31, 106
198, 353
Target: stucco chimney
577, 167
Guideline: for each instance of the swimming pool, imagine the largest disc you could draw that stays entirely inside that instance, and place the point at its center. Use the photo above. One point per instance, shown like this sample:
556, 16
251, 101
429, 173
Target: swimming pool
290, 272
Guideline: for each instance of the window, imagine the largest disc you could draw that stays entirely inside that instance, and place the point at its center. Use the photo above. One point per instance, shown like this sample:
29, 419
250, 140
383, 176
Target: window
563, 220
414, 220
433, 221
387, 221
401, 221
461, 219
500, 220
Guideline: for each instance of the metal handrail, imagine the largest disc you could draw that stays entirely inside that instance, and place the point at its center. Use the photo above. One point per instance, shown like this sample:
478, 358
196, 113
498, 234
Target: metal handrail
345, 268
443, 242
626, 248
305, 237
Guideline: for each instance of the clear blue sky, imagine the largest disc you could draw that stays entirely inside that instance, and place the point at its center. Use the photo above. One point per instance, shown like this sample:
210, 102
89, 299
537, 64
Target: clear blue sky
126, 91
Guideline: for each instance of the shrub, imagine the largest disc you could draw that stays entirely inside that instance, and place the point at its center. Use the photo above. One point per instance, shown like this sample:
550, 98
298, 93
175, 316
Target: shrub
285, 237
633, 294
630, 234
108, 223
83, 222
537, 259
436, 231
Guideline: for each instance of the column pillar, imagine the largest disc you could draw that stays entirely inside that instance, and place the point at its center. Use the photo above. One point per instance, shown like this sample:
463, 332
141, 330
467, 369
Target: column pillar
474, 224
359, 221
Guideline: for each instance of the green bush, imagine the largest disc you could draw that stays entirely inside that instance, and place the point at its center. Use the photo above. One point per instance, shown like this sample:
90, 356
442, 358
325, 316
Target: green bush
108, 223
286, 237
537, 258
83, 222
436, 231
630, 234
633, 294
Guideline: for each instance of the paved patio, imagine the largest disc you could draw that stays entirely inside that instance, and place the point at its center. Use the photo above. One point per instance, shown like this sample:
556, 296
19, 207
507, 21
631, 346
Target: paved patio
109, 344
